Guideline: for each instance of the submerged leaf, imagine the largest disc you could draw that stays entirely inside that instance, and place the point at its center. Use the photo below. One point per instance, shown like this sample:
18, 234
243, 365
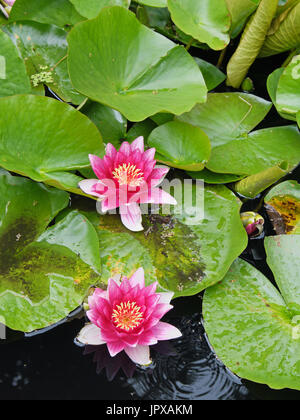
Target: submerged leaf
283, 207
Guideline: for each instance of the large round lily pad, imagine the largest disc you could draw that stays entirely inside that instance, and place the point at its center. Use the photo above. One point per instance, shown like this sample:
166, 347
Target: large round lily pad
258, 151
44, 274
184, 257
44, 139
251, 326
181, 145
140, 74
208, 21
227, 116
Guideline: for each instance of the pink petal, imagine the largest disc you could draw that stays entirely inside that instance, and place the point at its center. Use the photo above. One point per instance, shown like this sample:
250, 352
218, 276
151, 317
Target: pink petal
90, 335
111, 151
131, 217
161, 310
98, 166
114, 292
138, 144
125, 148
147, 339
110, 202
149, 155
115, 347
164, 331
139, 354
88, 187
158, 175
157, 196
101, 293
138, 278
166, 297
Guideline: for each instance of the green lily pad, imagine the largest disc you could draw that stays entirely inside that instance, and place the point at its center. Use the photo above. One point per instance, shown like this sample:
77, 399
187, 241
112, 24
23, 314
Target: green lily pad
250, 325
91, 9
240, 10
140, 74
153, 3
212, 75
143, 128
207, 21
181, 145
214, 178
286, 37
44, 274
59, 141
61, 13
227, 116
44, 50
283, 206
182, 256
283, 253
13, 77
287, 100
258, 151
111, 124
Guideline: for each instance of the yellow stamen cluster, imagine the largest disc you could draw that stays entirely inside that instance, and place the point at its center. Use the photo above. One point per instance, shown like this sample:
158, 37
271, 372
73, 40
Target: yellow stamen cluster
127, 316
128, 174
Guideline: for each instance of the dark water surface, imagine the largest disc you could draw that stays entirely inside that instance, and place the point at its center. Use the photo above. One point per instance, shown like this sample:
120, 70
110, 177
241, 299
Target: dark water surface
50, 366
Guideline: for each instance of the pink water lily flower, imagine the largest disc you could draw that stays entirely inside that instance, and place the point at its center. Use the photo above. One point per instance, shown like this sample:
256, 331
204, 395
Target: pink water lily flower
127, 317
9, 2
127, 178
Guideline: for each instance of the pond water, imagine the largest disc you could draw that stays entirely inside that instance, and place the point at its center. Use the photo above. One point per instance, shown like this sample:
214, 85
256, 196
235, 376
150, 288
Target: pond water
51, 366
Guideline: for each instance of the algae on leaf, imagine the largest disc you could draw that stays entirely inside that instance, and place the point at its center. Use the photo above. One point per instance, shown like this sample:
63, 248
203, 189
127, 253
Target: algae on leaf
44, 273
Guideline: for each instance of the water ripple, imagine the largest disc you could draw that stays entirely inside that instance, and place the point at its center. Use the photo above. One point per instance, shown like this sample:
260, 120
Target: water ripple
194, 373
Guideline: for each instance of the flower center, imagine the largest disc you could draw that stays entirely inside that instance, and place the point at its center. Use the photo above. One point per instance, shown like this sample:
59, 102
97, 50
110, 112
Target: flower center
127, 316
129, 175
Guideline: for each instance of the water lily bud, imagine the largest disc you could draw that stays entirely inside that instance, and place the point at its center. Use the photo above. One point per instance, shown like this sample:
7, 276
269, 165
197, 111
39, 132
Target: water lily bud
253, 223
248, 85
